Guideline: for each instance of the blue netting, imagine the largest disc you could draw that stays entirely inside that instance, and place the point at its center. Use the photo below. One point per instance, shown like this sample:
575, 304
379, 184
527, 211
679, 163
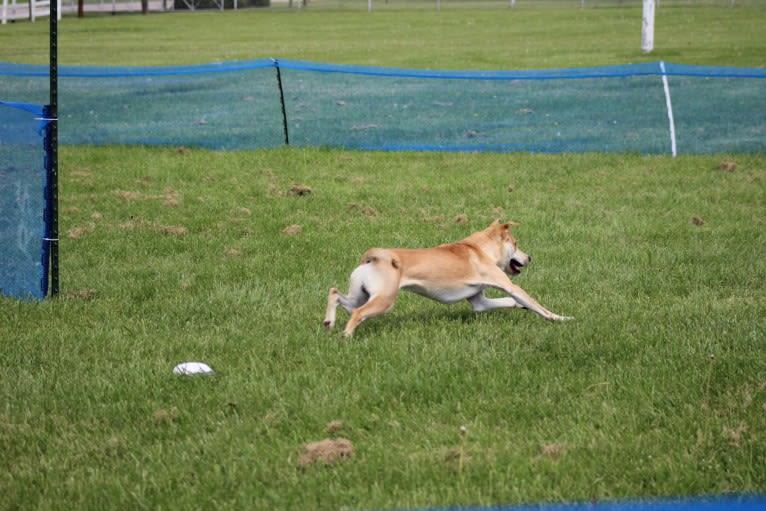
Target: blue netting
238, 105
719, 109
552, 111
23, 253
262, 103
733, 502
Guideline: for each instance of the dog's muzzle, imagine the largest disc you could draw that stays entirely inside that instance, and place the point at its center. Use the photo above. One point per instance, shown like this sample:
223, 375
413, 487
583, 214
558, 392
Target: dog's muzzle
515, 266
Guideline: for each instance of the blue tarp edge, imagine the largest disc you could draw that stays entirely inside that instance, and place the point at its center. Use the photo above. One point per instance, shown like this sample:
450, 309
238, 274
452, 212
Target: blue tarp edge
644, 69
734, 502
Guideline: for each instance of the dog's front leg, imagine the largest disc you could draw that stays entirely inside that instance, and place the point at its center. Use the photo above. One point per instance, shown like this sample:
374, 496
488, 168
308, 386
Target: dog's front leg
526, 301
497, 279
481, 303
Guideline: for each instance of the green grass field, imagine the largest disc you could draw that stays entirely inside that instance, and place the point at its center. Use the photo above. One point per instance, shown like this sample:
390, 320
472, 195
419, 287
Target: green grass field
446, 39
658, 388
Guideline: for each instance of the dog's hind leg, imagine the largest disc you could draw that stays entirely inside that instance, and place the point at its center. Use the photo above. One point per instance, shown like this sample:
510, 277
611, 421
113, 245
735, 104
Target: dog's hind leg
356, 298
333, 299
373, 288
378, 304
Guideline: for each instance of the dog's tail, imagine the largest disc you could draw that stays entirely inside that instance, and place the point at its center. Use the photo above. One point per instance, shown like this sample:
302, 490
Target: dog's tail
381, 255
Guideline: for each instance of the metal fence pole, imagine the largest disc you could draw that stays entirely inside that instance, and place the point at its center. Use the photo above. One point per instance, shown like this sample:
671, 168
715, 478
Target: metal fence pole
53, 194
282, 101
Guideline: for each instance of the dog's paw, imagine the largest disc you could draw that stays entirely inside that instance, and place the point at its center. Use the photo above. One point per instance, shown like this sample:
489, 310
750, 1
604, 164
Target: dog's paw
328, 324
556, 317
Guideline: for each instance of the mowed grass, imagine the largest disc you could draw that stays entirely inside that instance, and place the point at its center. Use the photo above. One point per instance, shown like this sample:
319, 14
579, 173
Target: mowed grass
657, 388
395, 36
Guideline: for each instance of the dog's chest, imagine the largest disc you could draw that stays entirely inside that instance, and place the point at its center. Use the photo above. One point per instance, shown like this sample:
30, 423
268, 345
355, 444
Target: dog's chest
443, 294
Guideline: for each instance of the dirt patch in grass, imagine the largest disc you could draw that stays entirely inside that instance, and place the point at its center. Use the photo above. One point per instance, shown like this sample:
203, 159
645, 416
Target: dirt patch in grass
168, 197
299, 190
365, 210
77, 232
232, 252
82, 294
734, 435
161, 416
457, 457
292, 230
552, 451
328, 452
173, 230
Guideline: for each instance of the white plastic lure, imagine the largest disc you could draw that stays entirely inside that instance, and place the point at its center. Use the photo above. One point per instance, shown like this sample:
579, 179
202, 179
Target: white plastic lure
193, 368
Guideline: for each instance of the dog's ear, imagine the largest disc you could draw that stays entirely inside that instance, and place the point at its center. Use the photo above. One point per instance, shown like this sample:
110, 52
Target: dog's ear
504, 227
497, 228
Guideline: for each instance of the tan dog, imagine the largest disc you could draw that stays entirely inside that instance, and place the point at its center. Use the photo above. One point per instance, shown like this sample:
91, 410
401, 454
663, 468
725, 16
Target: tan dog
447, 273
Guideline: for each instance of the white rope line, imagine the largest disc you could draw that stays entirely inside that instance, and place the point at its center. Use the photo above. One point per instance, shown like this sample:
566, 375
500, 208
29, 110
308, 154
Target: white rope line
669, 105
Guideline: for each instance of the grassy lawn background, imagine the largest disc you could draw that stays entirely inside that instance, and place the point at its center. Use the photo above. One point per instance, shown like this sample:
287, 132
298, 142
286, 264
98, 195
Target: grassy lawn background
410, 38
655, 389
658, 387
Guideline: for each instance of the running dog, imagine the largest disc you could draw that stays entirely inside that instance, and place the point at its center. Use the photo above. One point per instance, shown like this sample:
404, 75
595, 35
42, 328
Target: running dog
447, 273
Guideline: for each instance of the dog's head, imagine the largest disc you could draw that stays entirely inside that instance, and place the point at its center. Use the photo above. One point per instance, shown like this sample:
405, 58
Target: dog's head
511, 260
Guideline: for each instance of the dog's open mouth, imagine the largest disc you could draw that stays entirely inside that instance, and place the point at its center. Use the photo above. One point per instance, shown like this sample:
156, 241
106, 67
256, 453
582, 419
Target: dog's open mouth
514, 268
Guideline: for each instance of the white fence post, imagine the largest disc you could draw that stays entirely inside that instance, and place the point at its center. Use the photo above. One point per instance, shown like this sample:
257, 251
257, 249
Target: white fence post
669, 106
647, 27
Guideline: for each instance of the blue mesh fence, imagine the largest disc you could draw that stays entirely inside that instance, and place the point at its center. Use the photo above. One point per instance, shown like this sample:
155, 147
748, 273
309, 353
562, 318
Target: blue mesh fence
718, 109
23, 250
239, 105
652, 108
543, 111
